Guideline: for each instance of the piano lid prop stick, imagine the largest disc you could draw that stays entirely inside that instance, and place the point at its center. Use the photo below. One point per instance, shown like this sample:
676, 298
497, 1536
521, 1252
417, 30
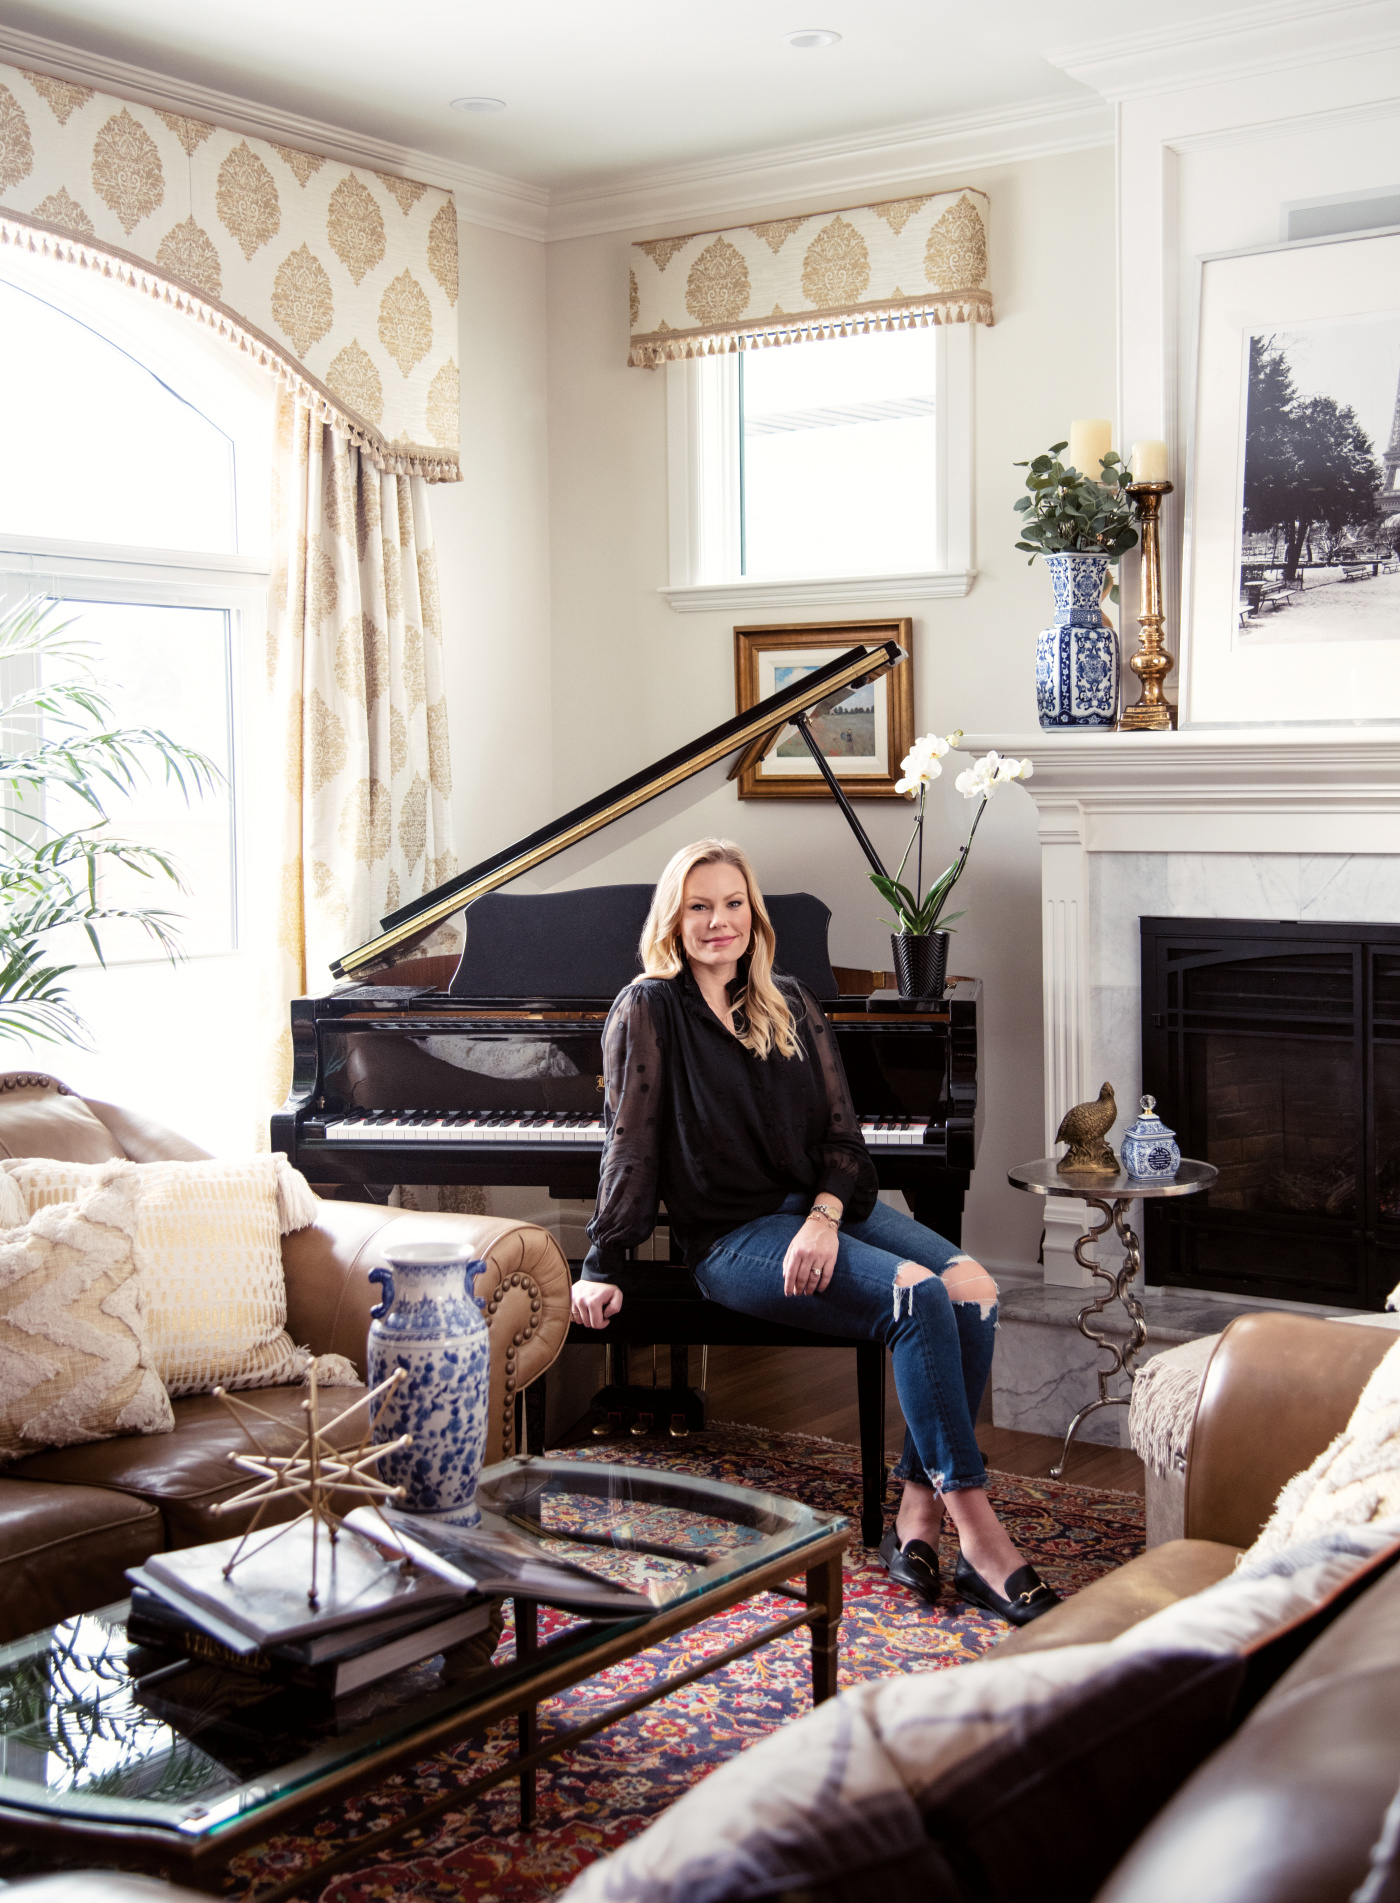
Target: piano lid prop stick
824, 768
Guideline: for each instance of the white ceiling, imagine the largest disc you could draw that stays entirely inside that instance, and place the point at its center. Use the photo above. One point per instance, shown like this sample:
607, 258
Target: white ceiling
605, 89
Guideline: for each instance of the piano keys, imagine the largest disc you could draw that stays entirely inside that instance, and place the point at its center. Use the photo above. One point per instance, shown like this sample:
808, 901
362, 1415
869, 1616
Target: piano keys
521, 1126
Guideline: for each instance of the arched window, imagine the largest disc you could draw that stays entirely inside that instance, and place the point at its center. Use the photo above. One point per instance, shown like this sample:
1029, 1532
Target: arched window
134, 491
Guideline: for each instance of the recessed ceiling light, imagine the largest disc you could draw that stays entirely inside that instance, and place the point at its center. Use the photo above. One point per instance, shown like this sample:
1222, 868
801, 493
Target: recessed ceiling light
809, 36
478, 103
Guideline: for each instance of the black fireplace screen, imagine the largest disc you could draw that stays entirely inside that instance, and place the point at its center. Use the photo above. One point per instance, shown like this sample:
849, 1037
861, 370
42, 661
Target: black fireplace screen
1274, 1051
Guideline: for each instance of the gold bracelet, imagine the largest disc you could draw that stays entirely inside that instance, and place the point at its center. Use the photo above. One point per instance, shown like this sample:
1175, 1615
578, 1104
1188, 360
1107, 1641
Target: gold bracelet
825, 1213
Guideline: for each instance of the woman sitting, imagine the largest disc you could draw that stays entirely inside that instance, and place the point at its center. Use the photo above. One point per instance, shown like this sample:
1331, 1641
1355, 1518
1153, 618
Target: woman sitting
725, 1098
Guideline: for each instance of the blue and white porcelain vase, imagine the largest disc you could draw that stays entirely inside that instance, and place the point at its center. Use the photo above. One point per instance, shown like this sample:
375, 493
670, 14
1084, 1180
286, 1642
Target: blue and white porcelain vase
1149, 1149
1076, 659
430, 1325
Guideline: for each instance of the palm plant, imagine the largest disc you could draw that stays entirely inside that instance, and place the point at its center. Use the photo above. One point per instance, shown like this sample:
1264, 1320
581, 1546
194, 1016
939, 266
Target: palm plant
57, 739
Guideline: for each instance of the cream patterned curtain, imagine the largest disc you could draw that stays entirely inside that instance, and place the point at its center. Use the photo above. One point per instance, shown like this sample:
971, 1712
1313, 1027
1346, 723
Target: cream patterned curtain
340, 279
358, 716
906, 262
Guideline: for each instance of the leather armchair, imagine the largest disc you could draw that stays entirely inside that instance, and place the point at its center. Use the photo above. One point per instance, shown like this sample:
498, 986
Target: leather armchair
73, 1519
1278, 1388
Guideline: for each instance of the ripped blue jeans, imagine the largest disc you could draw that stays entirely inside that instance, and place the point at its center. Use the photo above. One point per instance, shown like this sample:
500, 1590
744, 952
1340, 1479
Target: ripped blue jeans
941, 1349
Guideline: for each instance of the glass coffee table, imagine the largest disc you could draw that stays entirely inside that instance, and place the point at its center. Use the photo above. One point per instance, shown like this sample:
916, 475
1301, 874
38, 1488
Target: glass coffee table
112, 1755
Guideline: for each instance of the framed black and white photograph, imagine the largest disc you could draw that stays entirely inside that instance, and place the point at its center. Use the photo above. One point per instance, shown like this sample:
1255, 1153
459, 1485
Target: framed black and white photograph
1292, 578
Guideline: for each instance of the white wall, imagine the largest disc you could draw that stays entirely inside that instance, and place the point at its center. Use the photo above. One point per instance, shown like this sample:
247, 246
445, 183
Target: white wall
492, 536
631, 679
1205, 165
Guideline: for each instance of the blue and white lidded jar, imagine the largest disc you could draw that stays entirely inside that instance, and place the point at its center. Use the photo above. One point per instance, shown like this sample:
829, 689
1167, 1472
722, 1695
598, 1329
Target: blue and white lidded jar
1076, 658
431, 1325
1149, 1149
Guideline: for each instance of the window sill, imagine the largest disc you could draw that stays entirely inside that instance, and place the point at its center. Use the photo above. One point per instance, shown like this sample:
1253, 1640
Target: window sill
822, 591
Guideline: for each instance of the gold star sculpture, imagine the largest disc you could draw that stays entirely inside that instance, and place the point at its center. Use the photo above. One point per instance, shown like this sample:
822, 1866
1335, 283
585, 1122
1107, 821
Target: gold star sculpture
316, 1470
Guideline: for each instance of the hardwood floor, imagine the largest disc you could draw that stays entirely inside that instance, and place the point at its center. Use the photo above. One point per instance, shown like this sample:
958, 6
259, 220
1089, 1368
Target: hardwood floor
813, 1391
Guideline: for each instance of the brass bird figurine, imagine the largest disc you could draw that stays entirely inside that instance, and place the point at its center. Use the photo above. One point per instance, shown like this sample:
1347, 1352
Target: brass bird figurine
1085, 1129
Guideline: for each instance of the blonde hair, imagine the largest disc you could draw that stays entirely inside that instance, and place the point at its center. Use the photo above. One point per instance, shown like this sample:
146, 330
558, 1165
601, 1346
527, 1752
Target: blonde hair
766, 1010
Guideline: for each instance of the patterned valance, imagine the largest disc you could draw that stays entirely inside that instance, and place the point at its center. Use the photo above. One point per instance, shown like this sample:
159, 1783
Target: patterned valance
340, 279
877, 267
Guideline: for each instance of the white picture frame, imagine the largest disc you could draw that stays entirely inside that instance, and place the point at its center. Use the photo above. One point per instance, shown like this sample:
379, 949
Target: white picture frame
1315, 639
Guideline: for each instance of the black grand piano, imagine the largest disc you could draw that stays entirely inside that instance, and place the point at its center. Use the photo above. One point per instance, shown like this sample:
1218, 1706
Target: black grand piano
496, 1077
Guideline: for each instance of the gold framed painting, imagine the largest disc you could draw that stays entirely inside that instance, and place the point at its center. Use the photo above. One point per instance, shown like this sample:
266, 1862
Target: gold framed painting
864, 732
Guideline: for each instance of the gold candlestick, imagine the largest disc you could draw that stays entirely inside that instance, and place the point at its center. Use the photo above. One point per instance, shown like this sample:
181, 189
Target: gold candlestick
1151, 663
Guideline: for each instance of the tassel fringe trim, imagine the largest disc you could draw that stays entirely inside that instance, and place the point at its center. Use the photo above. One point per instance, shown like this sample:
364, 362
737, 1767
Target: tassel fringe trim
297, 1203
395, 459
332, 1371
762, 333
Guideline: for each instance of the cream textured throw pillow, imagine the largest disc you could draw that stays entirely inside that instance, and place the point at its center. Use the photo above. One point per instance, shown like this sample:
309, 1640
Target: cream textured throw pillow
1354, 1481
208, 1252
75, 1361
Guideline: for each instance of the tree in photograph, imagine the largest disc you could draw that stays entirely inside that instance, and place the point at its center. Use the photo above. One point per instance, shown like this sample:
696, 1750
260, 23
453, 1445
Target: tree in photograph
1308, 462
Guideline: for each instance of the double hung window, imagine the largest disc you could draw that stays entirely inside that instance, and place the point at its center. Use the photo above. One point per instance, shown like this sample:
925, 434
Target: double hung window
827, 471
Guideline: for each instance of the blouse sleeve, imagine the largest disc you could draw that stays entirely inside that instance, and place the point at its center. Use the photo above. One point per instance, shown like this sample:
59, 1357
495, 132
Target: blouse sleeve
634, 1077
843, 1162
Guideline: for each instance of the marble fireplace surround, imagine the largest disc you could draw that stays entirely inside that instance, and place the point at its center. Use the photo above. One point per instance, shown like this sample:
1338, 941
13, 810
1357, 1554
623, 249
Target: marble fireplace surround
1280, 823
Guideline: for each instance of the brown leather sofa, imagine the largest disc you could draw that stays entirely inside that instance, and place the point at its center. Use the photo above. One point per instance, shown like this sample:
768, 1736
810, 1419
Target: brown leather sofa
74, 1518
1287, 1810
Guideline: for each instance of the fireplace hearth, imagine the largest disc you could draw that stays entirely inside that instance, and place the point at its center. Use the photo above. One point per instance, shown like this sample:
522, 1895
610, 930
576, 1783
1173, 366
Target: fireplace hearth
1273, 1049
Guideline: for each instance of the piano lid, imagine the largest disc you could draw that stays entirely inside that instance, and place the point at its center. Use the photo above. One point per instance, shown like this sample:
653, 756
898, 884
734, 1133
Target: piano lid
411, 924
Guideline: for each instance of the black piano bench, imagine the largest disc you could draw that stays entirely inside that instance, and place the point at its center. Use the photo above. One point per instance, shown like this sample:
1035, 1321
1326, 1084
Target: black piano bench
663, 1306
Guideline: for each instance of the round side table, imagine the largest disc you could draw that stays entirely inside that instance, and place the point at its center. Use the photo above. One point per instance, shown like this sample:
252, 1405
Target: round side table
1110, 1195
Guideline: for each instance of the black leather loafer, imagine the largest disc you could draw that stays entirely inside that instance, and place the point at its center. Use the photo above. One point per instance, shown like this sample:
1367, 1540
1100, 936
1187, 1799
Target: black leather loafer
914, 1565
1027, 1595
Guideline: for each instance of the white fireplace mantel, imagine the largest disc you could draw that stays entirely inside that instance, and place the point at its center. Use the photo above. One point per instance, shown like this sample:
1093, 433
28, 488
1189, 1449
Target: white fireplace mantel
1276, 797
1266, 789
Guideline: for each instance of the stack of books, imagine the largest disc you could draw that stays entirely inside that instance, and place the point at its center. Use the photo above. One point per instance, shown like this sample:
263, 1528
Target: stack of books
373, 1616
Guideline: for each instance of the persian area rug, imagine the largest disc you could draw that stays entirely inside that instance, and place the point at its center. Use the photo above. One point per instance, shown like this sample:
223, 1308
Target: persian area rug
611, 1786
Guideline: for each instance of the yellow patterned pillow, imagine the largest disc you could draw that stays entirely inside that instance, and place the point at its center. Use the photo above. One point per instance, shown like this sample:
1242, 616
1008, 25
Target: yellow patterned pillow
75, 1361
208, 1253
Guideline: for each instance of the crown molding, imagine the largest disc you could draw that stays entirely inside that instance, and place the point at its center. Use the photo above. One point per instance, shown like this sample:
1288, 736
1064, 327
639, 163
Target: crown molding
864, 163
1231, 46
856, 165
483, 198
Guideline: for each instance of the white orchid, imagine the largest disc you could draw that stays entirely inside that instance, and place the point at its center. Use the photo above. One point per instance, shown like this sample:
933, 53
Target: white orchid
923, 763
916, 911
984, 776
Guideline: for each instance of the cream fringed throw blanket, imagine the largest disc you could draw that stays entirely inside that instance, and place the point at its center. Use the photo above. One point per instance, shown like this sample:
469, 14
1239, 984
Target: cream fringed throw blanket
1162, 1410
1354, 1481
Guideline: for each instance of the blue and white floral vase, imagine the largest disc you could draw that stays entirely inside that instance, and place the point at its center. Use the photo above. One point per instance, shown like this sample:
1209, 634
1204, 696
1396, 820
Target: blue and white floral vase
1149, 1149
1076, 659
430, 1325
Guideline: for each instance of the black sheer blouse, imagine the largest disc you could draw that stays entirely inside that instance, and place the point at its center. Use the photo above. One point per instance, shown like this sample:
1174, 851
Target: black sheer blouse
694, 1119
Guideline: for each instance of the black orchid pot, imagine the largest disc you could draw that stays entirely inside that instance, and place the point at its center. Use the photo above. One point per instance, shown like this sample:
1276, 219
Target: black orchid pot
920, 963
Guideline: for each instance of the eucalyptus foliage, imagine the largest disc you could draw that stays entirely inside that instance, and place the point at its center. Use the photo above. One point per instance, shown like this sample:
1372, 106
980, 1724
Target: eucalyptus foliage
57, 737
1068, 513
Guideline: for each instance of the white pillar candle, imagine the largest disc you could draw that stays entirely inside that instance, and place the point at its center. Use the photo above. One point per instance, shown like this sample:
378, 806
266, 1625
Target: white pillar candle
1148, 461
1090, 440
